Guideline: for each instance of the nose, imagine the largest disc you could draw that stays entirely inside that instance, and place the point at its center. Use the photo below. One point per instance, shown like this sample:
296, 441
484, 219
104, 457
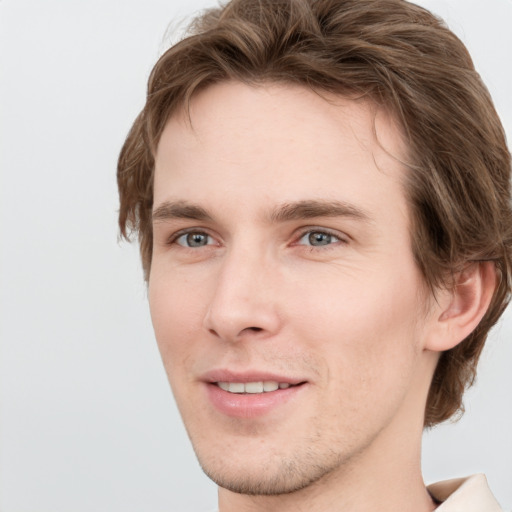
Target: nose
244, 300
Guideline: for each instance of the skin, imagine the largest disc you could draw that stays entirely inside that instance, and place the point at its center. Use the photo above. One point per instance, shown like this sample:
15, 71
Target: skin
335, 301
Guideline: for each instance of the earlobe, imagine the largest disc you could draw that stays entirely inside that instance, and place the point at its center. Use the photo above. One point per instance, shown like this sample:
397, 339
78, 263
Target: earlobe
464, 307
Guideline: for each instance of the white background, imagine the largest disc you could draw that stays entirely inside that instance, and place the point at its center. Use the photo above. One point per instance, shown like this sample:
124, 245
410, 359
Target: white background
87, 420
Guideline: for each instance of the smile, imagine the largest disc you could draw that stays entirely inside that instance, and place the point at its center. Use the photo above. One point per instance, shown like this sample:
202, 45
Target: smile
252, 387
251, 395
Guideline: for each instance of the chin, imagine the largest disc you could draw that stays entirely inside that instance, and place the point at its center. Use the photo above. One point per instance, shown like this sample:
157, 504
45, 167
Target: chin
270, 478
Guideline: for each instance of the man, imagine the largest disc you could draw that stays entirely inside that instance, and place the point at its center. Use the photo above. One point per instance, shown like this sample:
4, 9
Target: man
321, 191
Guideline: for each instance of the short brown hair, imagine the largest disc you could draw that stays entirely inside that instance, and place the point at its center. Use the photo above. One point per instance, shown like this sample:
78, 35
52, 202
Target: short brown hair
402, 58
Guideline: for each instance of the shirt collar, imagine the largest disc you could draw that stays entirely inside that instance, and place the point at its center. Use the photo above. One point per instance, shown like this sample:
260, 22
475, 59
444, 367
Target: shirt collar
470, 494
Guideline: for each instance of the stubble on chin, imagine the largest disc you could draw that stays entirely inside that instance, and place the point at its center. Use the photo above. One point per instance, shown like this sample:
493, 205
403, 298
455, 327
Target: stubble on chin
279, 476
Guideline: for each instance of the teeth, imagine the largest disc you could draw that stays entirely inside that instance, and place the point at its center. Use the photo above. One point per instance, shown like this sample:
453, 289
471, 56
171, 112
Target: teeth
252, 387
270, 386
236, 387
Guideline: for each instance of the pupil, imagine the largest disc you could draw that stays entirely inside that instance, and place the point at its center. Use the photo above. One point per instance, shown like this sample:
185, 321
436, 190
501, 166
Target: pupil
196, 240
319, 239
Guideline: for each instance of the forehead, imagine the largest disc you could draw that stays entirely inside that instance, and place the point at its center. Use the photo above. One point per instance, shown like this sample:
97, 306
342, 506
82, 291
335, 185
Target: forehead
278, 138
295, 108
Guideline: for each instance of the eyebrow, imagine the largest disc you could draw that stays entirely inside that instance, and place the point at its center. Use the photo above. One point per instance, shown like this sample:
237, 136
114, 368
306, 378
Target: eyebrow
309, 209
179, 210
306, 209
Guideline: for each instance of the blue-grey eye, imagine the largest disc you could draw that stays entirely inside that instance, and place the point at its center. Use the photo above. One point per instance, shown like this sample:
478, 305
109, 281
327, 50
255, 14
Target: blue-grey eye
318, 238
195, 239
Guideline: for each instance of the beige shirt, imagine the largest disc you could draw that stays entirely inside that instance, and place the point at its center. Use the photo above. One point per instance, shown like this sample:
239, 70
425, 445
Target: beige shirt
471, 494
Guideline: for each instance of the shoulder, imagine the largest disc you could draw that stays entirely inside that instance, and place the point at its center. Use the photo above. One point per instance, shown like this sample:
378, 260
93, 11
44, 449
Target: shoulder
470, 494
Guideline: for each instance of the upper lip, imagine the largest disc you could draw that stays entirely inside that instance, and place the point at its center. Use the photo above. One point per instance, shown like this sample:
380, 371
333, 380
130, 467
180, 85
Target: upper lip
225, 375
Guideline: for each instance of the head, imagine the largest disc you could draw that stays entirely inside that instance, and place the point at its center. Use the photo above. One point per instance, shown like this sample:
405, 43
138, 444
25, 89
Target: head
401, 69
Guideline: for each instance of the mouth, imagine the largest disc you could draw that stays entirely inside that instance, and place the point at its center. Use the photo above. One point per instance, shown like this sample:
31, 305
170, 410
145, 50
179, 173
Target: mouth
251, 395
253, 388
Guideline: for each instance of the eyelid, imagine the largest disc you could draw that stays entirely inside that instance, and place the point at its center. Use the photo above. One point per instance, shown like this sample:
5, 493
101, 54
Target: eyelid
341, 236
172, 239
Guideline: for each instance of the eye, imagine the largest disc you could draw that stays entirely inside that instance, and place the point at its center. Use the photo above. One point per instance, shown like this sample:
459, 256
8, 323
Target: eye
194, 239
318, 238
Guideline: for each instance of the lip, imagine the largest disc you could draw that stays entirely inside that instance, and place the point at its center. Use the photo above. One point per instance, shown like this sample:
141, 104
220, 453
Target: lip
250, 405
250, 376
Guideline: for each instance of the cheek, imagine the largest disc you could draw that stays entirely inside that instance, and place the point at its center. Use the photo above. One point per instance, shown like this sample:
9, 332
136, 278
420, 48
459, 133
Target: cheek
176, 312
174, 315
365, 330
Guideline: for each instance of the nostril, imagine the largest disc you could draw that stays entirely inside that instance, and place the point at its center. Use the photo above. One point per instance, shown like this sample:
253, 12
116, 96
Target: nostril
247, 330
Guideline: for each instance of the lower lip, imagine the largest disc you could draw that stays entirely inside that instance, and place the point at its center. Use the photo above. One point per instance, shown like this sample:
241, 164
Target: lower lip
250, 405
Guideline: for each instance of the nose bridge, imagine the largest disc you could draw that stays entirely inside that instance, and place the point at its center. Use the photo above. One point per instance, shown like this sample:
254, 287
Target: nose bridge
243, 301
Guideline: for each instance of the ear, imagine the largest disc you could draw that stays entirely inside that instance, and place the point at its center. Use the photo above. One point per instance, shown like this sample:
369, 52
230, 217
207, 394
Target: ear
459, 311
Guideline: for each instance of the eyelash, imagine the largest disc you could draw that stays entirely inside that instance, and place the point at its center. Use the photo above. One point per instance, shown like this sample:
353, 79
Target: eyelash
305, 232
339, 238
185, 233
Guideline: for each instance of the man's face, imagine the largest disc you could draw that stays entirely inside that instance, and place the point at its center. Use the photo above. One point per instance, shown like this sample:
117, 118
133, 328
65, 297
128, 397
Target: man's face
286, 303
